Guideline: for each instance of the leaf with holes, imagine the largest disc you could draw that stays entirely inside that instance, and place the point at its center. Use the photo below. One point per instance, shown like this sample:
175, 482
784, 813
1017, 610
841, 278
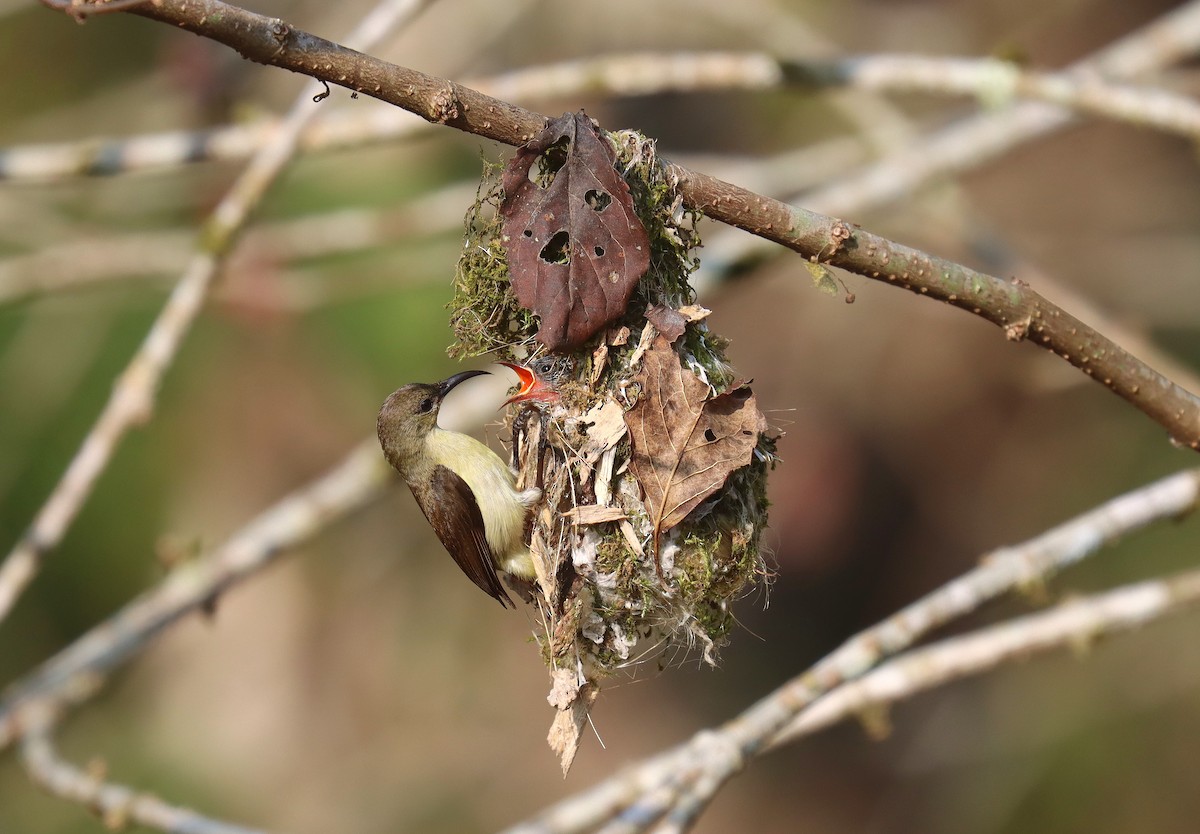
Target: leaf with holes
686, 443
576, 248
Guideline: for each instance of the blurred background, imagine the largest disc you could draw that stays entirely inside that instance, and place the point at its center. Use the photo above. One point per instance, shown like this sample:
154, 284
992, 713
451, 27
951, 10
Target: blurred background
361, 683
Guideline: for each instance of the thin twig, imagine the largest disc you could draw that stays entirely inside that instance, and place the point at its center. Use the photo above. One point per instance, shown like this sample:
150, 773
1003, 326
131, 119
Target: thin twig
1077, 622
1150, 49
718, 754
83, 9
993, 81
116, 805
633, 74
296, 517
89, 261
998, 83
972, 141
133, 396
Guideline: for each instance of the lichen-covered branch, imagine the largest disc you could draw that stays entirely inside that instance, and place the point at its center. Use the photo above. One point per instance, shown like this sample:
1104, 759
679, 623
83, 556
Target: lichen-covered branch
133, 395
717, 754
1016, 308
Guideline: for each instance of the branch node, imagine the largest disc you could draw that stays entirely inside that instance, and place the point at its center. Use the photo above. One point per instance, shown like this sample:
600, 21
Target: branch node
1018, 330
280, 32
445, 105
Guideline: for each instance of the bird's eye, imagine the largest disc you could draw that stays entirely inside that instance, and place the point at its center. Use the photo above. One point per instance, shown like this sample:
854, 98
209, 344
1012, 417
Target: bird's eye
425, 405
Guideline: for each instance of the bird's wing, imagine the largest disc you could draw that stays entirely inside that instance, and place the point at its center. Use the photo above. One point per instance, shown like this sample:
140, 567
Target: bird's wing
454, 515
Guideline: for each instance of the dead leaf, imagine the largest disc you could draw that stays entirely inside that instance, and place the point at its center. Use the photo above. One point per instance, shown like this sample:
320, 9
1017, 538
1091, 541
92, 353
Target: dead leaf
594, 514
599, 360
606, 427
685, 445
643, 345
603, 482
631, 538
694, 312
568, 725
667, 321
576, 248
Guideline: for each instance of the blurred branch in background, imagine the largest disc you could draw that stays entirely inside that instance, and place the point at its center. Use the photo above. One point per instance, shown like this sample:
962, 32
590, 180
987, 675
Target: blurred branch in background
996, 83
688, 776
133, 395
671, 789
1080, 622
116, 805
714, 755
193, 586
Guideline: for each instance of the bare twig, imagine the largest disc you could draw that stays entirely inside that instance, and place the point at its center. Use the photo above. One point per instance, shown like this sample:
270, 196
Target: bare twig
133, 395
974, 140
1077, 622
999, 83
993, 81
83, 9
718, 754
635, 74
295, 518
359, 478
89, 261
116, 805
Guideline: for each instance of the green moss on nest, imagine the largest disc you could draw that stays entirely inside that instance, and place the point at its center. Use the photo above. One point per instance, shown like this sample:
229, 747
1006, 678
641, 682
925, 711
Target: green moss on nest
484, 313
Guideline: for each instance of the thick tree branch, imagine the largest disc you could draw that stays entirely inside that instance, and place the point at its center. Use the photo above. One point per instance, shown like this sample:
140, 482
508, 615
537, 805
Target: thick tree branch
1016, 308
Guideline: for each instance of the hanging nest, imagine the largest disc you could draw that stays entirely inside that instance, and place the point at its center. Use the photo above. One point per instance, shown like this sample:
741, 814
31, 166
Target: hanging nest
628, 571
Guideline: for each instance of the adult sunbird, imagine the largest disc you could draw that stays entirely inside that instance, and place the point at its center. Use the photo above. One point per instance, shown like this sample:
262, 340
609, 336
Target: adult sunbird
465, 490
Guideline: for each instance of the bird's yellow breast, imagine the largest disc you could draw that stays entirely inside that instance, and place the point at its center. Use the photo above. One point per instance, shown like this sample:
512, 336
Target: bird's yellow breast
495, 492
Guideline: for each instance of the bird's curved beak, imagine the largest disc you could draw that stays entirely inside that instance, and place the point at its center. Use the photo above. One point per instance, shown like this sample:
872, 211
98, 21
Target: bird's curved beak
445, 386
532, 386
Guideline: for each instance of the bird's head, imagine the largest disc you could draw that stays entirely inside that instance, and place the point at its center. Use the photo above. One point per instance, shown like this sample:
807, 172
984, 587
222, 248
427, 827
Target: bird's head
410, 414
541, 379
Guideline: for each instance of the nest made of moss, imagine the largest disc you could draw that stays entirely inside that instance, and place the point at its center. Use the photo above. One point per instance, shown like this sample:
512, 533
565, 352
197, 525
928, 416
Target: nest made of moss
616, 584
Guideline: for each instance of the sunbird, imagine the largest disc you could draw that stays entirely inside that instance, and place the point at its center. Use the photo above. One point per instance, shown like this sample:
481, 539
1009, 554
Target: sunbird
464, 489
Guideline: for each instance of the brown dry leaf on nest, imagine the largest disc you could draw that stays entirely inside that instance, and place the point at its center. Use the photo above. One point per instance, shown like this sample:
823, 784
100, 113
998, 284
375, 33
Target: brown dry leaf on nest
572, 700
686, 444
576, 248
